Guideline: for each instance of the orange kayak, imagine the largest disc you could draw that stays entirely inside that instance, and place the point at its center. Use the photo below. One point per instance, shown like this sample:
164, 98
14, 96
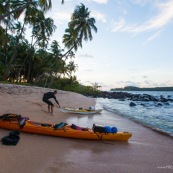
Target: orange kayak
15, 123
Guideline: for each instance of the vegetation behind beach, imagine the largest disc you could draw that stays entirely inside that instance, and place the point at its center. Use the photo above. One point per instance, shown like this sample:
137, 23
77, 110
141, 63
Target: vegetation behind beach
133, 88
39, 61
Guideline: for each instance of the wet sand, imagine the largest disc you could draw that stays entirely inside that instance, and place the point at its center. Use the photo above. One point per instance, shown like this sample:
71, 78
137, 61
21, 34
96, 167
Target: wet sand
147, 150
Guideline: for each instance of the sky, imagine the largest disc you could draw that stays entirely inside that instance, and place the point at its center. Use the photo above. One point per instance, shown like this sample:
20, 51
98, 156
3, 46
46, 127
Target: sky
132, 47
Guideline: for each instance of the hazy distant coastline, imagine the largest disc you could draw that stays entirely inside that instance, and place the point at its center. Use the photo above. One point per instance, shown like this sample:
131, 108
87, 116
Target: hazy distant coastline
133, 88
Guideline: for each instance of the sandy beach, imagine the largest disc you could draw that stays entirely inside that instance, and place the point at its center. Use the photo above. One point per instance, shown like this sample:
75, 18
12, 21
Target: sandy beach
147, 150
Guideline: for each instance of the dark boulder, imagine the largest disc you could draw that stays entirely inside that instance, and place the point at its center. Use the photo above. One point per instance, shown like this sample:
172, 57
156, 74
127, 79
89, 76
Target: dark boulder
132, 104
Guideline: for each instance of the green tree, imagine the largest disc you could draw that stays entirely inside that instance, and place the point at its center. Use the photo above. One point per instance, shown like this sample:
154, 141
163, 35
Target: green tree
16, 8
35, 62
82, 23
56, 64
43, 28
70, 39
80, 27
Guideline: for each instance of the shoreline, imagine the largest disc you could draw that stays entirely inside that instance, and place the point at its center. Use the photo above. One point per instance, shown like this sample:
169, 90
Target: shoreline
147, 150
144, 125
143, 108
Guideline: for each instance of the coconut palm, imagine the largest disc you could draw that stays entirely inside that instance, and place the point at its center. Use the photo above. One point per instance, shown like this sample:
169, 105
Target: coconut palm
82, 23
70, 39
15, 9
18, 6
42, 30
80, 28
71, 67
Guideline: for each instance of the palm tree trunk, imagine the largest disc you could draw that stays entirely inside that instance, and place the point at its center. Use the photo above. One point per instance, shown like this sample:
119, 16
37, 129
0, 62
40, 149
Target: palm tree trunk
78, 40
18, 9
67, 53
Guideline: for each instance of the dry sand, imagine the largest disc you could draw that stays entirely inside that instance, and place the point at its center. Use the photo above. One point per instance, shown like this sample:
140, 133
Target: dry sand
147, 150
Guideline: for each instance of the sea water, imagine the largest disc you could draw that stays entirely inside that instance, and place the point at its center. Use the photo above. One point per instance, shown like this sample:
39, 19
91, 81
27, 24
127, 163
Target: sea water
147, 113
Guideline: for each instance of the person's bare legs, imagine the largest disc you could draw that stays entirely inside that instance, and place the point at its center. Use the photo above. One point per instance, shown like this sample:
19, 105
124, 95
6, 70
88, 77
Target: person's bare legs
49, 109
52, 110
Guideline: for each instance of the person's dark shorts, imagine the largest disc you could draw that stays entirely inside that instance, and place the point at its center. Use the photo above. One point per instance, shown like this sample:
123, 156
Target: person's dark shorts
48, 102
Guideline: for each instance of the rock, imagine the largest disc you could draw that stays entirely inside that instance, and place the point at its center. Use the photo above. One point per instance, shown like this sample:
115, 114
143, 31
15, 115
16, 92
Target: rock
163, 100
122, 100
159, 104
166, 103
132, 104
133, 97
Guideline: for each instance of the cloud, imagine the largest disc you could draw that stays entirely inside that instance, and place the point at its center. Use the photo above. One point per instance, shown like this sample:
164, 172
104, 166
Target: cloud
85, 56
134, 69
145, 84
84, 69
101, 1
136, 2
149, 83
155, 35
139, 2
62, 17
144, 76
91, 83
88, 70
99, 16
164, 17
118, 26
127, 83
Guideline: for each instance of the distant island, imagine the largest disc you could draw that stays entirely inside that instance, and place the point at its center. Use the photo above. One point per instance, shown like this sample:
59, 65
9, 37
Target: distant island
133, 88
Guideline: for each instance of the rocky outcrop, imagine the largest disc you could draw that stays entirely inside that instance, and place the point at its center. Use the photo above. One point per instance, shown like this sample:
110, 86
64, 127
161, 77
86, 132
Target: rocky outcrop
132, 104
133, 97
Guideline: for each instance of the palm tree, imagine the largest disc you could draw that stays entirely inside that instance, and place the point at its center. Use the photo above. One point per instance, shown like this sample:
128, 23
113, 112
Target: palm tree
14, 8
43, 28
71, 67
55, 48
19, 6
80, 28
82, 23
15, 27
70, 39
20, 32
6, 54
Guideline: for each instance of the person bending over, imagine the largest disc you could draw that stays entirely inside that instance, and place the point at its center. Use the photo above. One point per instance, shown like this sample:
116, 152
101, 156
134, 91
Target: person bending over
48, 96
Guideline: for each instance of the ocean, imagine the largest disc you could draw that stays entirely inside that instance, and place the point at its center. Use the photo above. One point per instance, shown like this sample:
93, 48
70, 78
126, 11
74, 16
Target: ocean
149, 113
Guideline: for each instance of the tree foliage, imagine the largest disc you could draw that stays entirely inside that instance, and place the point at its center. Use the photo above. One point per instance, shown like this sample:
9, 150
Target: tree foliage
40, 61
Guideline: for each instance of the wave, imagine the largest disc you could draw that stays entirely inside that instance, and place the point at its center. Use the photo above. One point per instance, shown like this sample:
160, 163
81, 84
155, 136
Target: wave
157, 118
